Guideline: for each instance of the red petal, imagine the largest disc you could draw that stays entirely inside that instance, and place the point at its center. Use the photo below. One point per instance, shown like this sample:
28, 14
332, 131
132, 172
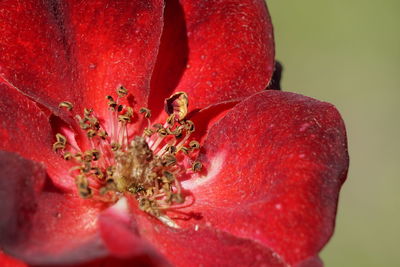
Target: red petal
25, 129
79, 51
274, 166
205, 246
7, 261
39, 224
116, 44
45, 227
214, 51
121, 236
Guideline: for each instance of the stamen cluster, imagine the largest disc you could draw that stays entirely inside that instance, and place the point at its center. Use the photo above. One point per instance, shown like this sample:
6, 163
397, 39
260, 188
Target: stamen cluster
148, 166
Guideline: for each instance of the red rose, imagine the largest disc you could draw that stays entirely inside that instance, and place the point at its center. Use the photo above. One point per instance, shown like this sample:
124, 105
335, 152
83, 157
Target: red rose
233, 176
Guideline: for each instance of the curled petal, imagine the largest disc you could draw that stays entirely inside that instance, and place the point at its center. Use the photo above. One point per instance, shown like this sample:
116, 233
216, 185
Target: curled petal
213, 50
273, 169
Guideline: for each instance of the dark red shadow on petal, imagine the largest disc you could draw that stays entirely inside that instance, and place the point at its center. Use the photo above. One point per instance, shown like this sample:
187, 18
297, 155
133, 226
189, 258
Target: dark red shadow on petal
205, 118
172, 56
40, 224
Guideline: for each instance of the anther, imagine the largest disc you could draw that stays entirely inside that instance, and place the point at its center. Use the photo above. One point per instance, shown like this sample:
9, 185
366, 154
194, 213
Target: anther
122, 91
189, 126
196, 166
87, 112
146, 112
67, 105
115, 146
194, 145
61, 139
177, 104
97, 171
91, 133
83, 186
67, 155
169, 160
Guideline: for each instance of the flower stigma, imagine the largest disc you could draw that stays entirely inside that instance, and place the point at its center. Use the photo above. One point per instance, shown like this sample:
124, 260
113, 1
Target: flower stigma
148, 166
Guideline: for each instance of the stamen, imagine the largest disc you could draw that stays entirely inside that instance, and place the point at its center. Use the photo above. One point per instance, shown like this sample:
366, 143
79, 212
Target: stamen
67, 105
147, 166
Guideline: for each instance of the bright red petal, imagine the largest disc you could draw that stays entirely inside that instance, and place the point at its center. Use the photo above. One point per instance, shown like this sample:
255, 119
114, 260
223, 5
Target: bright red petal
79, 50
120, 234
205, 246
7, 261
35, 55
116, 43
214, 50
46, 227
25, 129
273, 169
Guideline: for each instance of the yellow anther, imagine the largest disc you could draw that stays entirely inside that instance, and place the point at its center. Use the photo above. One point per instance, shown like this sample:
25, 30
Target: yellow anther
162, 132
61, 139
57, 146
122, 91
111, 103
171, 119
96, 154
184, 150
91, 133
189, 126
67, 105
97, 171
115, 146
168, 177
124, 118
103, 134
177, 104
196, 166
87, 112
170, 149
83, 186
67, 155
194, 145
169, 160
146, 112
110, 171
148, 132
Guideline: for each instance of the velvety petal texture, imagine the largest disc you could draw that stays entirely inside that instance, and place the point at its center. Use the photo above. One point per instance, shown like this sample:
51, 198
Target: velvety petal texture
26, 130
79, 51
206, 246
46, 227
273, 162
214, 50
39, 224
274, 167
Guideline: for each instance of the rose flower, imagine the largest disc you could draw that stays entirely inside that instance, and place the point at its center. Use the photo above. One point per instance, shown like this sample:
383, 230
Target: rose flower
140, 133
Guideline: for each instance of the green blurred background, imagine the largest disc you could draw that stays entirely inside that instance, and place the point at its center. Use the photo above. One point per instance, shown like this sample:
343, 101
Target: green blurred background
348, 53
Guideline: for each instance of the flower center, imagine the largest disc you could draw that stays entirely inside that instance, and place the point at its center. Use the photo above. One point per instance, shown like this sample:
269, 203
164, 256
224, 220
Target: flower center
147, 166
